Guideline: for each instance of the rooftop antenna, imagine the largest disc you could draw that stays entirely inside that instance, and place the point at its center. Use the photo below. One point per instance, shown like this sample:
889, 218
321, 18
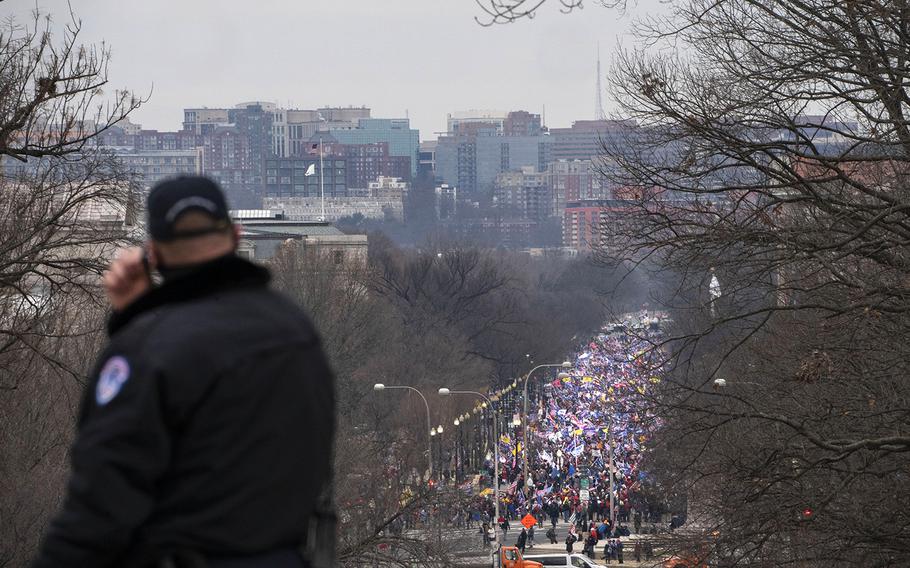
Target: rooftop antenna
543, 117
599, 105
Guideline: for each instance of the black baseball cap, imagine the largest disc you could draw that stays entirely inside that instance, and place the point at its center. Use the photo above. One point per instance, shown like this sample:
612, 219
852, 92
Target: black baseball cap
171, 198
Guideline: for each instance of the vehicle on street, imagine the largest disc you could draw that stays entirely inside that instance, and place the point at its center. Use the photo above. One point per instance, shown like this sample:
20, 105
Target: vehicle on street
510, 557
567, 560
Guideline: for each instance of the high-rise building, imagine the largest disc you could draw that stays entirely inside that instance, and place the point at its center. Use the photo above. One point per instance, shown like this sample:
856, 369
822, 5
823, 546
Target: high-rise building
584, 221
456, 162
460, 121
498, 154
341, 118
402, 140
204, 120
522, 194
287, 177
151, 166
475, 151
521, 123
572, 181
586, 138
426, 159
366, 163
581, 224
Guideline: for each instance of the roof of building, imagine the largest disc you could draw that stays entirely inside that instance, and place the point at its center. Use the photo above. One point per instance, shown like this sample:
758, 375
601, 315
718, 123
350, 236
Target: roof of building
292, 228
244, 214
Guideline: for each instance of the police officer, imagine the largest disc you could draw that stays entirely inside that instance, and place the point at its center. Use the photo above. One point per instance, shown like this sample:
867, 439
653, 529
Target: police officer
205, 433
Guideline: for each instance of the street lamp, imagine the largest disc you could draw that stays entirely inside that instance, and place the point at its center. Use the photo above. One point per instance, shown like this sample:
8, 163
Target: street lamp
609, 431
382, 387
447, 392
524, 416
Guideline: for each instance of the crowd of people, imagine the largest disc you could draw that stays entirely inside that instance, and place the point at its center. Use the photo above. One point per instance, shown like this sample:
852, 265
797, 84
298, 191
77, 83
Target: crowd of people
580, 427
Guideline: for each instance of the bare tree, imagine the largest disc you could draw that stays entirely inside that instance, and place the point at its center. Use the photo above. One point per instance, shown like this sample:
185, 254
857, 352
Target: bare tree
446, 316
51, 89
766, 181
65, 205
507, 11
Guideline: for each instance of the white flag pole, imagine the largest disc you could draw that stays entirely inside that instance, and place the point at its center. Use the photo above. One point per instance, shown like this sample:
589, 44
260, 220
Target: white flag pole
321, 181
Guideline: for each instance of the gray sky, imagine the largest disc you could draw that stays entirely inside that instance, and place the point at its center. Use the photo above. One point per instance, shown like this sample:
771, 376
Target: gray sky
428, 57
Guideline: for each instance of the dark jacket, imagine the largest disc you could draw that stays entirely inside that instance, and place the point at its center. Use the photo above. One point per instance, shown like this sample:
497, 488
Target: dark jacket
206, 426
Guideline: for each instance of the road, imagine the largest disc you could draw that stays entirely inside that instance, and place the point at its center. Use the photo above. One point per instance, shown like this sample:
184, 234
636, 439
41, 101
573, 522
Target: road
469, 544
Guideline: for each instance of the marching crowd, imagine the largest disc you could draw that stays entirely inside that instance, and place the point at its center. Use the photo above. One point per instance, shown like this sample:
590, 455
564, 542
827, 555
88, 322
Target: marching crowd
580, 428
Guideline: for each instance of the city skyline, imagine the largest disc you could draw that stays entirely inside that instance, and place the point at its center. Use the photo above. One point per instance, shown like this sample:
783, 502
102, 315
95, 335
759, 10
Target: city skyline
423, 64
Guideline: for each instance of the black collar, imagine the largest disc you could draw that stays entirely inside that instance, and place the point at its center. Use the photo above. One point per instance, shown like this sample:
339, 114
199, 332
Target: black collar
223, 273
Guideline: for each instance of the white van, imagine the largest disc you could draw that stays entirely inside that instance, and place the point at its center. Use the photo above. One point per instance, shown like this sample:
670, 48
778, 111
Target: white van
564, 560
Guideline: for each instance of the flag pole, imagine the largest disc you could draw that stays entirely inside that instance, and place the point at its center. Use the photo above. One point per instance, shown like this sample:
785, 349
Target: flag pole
321, 181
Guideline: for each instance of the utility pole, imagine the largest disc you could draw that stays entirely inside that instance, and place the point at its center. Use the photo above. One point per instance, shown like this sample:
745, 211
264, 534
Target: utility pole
612, 503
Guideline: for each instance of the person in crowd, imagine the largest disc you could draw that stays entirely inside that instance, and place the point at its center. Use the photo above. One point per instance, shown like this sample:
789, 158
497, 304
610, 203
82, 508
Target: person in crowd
551, 535
570, 542
522, 540
590, 544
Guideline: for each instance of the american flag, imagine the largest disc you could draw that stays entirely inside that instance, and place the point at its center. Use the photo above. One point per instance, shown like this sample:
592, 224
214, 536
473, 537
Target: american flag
313, 150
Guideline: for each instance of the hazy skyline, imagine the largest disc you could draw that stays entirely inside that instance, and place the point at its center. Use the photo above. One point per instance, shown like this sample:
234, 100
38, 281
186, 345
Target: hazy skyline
423, 58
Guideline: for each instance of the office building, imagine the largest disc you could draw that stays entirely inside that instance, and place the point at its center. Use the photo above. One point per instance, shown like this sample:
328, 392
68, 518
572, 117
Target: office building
287, 177
366, 163
475, 152
426, 160
461, 120
265, 232
403, 141
521, 123
151, 166
586, 138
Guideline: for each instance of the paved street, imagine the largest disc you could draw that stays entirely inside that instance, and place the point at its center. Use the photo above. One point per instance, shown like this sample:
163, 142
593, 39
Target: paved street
471, 551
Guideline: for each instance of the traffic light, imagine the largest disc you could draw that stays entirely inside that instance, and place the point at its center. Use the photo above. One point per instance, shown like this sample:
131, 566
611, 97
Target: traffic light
806, 514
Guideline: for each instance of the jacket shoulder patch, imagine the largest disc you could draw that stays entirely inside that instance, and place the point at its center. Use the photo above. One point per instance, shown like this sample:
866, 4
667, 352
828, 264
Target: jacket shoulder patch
114, 374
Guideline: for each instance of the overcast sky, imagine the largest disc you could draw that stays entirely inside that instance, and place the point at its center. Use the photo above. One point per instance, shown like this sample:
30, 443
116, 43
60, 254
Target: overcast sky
423, 57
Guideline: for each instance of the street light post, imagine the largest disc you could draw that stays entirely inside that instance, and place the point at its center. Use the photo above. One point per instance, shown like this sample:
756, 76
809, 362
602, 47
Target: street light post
612, 489
524, 417
446, 392
382, 387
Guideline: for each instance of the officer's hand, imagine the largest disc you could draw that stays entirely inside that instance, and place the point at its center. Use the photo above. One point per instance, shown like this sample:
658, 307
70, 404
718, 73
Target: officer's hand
126, 279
